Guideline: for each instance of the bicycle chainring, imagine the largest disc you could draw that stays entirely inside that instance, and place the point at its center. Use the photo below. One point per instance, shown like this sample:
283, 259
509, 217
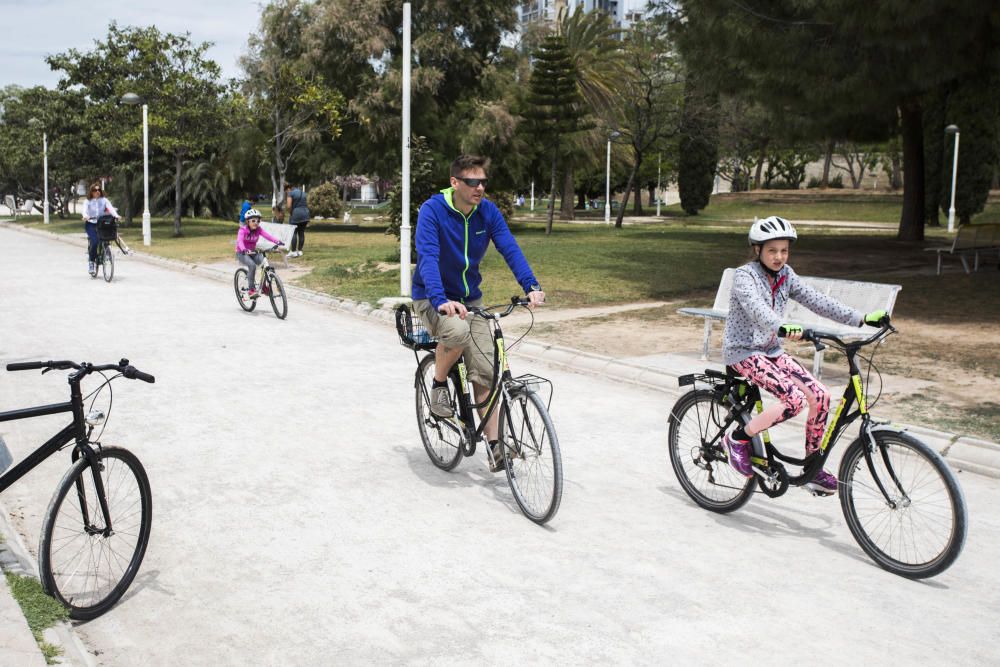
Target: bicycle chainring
773, 481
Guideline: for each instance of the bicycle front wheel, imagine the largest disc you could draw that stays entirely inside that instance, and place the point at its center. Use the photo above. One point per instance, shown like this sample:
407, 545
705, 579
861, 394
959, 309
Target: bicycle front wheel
443, 439
85, 564
917, 528
242, 286
697, 423
107, 263
276, 293
531, 455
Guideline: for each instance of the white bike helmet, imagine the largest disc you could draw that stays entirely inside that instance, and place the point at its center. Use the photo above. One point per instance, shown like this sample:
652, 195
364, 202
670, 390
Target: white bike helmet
771, 229
252, 213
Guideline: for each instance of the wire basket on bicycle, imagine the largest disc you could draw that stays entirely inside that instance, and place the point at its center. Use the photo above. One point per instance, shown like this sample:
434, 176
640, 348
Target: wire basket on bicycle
412, 332
107, 228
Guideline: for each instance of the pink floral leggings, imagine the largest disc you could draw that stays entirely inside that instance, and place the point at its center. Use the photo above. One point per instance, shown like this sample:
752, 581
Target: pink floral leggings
794, 387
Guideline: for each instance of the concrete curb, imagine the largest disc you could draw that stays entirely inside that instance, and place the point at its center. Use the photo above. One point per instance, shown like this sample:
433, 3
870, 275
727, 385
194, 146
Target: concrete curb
963, 452
17, 644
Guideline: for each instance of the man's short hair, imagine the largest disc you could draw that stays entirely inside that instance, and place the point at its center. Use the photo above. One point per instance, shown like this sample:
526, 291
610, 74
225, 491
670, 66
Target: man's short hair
464, 163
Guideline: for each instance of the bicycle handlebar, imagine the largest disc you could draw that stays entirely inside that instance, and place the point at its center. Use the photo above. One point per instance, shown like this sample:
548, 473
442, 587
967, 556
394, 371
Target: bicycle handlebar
515, 301
123, 367
814, 336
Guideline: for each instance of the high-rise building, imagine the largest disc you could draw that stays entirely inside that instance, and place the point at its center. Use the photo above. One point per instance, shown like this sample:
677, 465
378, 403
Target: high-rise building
623, 13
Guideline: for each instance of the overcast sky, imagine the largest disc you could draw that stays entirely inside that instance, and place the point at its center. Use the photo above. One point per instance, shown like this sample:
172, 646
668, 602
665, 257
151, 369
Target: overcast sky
34, 29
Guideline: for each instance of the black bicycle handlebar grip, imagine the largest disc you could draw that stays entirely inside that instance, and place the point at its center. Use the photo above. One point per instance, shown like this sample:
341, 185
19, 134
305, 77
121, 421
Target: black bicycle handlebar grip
134, 373
807, 334
26, 366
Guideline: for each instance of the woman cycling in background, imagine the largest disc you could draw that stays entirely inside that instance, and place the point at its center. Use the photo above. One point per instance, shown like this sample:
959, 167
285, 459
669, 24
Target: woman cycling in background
95, 206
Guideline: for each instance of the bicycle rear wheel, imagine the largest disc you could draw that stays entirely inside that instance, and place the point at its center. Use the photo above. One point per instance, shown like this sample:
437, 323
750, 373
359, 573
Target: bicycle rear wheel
242, 286
697, 423
107, 262
443, 439
531, 455
920, 529
82, 563
276, 293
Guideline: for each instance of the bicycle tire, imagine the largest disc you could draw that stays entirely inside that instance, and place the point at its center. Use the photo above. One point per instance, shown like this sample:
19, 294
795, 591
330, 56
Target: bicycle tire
443, 439
107, 262
69, 546
532, 458
702, 467
276, 293
931, 501
241, 283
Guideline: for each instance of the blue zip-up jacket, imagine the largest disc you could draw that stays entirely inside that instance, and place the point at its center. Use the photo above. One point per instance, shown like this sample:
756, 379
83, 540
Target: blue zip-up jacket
450, 247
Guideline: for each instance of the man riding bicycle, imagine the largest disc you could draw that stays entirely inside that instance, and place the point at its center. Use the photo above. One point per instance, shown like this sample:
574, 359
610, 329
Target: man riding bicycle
454, 229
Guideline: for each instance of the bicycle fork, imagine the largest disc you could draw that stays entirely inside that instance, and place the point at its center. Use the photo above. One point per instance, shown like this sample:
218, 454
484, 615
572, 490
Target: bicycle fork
95, 467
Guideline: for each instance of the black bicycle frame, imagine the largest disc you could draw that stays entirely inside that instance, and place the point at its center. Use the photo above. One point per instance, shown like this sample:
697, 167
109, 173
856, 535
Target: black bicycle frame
467, 404
77, 430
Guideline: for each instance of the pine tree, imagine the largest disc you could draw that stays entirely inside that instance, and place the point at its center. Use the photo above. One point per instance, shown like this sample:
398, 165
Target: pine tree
555, 106
699, 148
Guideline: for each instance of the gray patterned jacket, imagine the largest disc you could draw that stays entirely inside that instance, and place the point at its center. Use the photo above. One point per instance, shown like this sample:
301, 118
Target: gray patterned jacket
755, 313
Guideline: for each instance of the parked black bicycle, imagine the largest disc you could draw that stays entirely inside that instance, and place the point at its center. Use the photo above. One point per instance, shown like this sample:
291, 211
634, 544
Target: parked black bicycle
530, 448
96, 528
902, 502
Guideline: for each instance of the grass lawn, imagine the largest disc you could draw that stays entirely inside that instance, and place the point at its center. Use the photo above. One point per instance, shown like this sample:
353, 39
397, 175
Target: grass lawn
581, 264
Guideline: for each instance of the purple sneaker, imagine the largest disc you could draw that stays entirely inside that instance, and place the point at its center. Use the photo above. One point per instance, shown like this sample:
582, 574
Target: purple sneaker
739, 455
823, 484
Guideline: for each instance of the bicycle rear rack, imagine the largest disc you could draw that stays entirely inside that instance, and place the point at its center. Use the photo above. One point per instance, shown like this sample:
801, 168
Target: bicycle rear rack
537, 384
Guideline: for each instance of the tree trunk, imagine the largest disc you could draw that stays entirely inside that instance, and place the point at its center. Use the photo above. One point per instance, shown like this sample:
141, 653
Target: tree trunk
552, 196
896, 179
825, 183
628, 191
581, 199
566, 205
760, 164
911, 220
178, 194
652, 195
637, 202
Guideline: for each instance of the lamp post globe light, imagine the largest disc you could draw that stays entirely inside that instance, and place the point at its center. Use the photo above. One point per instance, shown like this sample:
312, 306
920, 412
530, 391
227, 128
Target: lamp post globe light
953, 129
607, 181
132, 99
34, 122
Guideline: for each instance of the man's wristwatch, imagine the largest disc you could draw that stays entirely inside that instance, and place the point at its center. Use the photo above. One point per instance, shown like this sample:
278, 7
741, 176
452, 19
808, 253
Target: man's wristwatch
534, 288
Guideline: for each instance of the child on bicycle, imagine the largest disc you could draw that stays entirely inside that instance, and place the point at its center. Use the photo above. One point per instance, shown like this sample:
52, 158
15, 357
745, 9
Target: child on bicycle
95, 206
751, 346
246, 248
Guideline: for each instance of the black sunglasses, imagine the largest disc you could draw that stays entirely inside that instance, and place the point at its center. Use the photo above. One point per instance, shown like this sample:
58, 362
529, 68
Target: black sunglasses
474, 182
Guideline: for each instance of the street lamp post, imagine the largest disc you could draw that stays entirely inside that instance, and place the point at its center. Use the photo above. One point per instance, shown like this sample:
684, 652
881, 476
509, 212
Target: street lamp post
658, 155
953, 129
45, 176
607, 182
132, 100
34, 122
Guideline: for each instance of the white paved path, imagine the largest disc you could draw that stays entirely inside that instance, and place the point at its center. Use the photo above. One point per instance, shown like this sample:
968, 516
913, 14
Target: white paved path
297, 520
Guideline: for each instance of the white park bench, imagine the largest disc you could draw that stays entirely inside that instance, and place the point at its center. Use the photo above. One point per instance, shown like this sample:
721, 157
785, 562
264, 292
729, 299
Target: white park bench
27, 208
971, 240
864, 297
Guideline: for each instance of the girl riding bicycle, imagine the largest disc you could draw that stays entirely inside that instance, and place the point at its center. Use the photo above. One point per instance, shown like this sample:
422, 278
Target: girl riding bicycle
751, 347
246, 248
95, 206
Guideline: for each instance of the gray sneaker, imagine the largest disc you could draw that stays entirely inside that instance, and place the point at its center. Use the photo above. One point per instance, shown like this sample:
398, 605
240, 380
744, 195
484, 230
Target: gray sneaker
441, 402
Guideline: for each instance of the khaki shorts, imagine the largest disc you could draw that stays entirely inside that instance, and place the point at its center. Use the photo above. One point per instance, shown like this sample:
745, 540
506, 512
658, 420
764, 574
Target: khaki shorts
473, 334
